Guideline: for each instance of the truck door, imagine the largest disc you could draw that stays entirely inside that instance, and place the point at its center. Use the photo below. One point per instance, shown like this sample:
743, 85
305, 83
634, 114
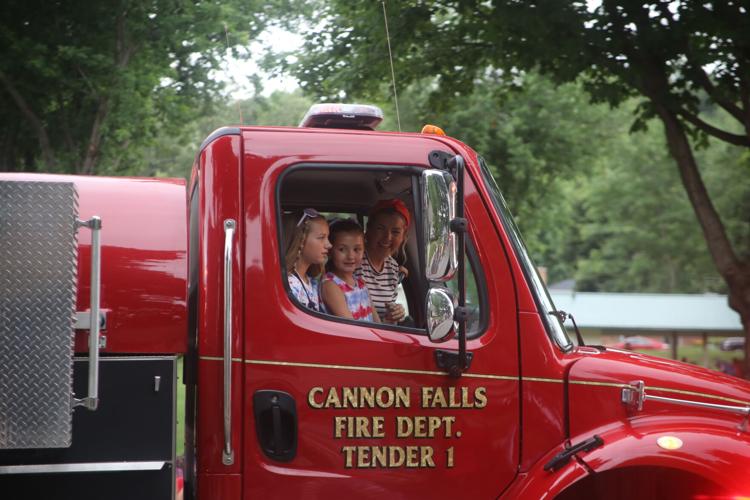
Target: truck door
338, 408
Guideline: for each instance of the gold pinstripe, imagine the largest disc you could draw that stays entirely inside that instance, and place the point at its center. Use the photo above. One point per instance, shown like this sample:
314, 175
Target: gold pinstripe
467, 375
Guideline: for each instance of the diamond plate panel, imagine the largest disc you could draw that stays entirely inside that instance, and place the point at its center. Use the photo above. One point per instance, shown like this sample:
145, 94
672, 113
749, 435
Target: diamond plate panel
38, 265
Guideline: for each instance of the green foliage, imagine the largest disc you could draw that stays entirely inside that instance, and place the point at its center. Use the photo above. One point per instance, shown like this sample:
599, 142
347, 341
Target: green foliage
171, 152
680, 62
674, 53
87, 83
594, 202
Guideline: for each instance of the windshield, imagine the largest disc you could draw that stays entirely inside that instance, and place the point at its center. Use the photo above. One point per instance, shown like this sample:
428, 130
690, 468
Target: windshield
554, 327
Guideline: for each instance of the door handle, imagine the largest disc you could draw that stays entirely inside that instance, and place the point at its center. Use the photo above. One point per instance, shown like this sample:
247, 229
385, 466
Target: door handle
227, 454
276, 424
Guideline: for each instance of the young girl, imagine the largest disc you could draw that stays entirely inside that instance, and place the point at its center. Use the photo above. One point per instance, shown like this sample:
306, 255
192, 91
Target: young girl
305, 255
344, 294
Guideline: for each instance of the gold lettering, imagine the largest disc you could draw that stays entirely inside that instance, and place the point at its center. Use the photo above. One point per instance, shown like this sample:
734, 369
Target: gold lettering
465, 398
363, 427
433, 424
363, 456
427, 393
377, 427
439, 399
449, 421
367, 395
426, 460
332, 401
404, 427
480, 395
379, 456
411, 456
452, 399
349, 397
419, 427
348, 453
403, 397
311, 397
395, 456
388, 402
358, 427
339, 425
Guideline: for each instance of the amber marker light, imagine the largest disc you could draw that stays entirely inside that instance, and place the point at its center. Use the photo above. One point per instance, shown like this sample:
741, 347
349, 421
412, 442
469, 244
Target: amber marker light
669, 442
432, 129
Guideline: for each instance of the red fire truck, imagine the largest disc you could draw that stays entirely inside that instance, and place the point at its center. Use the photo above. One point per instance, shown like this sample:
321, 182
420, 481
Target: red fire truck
481, 393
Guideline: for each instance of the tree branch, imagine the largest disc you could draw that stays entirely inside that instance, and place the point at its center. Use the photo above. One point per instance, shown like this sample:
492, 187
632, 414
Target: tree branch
95, 139
36, 123
737, 140
719, 246
124, 51
710, 89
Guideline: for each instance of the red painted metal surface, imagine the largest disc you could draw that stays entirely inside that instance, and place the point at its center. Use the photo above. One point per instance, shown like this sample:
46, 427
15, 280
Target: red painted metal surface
522, 402
218, 182
220, 487
537, 403
596, 382
144, 259
325, 353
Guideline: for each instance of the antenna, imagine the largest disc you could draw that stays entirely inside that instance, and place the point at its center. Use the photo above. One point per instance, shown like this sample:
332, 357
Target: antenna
393, 74
226, 37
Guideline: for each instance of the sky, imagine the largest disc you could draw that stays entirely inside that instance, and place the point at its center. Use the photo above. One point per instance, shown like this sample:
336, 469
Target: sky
236, 73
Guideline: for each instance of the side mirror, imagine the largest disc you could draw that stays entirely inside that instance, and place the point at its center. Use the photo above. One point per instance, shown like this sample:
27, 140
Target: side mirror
440, 310
439, 203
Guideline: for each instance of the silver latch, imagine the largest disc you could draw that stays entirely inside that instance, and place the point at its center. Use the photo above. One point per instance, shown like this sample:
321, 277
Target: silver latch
633, 395
82, 320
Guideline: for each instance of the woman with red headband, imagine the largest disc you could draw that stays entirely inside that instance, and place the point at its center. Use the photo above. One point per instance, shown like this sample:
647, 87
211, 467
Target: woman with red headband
385, 236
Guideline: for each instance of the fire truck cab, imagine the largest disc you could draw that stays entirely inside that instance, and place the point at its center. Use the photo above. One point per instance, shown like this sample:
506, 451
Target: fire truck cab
480, 392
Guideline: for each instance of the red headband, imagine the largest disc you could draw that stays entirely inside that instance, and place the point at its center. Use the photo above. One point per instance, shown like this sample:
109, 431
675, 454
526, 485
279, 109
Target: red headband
393, 204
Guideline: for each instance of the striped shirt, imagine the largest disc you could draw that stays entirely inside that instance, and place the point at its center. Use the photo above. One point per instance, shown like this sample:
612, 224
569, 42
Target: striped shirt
357, 298
382, 285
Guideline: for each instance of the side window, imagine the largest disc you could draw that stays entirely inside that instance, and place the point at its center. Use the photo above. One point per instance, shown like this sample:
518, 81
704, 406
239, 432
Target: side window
319, 197
475, 293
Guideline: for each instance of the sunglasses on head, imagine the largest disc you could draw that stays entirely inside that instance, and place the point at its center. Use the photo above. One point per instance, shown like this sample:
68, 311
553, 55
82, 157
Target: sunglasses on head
308, 213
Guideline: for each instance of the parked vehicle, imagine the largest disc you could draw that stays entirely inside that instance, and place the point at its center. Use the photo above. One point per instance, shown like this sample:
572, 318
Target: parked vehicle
639, 342
481, 394
732, 344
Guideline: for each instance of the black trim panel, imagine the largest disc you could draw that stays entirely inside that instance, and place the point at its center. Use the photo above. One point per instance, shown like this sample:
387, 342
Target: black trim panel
220, 132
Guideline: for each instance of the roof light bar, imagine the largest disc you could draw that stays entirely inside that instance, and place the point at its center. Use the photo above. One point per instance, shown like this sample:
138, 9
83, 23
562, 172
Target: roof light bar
351, 116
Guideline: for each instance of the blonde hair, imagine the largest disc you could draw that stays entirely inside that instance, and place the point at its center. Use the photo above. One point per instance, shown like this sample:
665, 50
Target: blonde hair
297, 242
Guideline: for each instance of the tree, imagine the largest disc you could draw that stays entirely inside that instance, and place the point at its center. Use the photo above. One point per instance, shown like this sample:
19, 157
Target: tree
677, 58
171, 152
84, 83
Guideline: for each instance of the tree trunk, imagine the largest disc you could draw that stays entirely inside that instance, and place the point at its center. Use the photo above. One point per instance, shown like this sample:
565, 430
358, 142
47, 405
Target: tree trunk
95, 139
735, 272
36, 124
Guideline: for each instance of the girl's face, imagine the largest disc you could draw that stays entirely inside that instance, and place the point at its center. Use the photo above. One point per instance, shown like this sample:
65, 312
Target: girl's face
385, 235
315, 249
347, 253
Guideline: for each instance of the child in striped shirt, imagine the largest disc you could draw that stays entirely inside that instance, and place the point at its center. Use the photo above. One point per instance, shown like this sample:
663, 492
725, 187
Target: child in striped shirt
344, 294
386, 235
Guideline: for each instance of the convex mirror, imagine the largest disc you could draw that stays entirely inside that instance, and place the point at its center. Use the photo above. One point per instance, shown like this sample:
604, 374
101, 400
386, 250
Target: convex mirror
440, 311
